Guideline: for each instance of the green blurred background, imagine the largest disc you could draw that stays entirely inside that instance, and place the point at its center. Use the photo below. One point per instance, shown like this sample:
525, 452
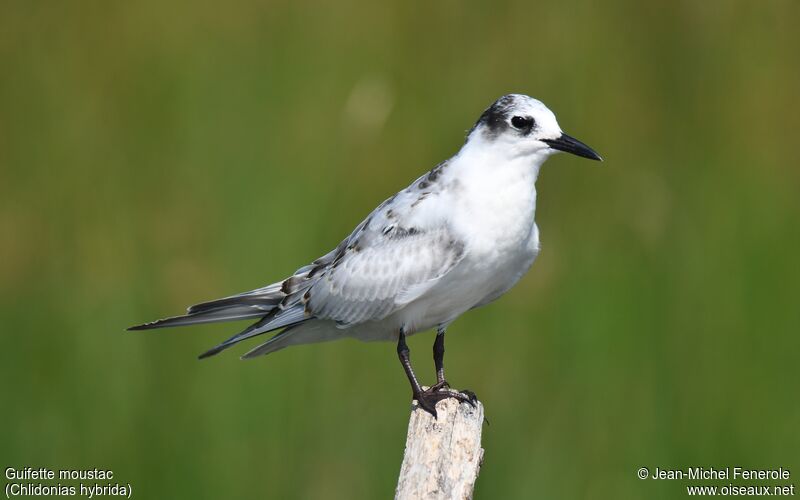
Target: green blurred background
153, 155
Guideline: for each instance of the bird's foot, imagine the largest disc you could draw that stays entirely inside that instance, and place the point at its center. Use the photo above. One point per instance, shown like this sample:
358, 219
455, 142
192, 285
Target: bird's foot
428, 398
442, 384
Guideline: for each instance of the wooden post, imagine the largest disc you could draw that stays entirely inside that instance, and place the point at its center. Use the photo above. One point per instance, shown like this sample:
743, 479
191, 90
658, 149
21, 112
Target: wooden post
442, 457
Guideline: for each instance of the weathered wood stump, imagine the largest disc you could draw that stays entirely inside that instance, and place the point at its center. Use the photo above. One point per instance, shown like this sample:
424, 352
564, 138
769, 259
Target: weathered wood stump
442, 457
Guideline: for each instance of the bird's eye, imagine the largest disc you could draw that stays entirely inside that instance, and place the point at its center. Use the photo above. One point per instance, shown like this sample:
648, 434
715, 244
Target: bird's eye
522, 122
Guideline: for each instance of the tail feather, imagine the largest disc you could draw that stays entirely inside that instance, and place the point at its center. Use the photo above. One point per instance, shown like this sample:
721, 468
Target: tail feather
268, 304
230, 314
248, 305
303, 333
258, 302
273, 321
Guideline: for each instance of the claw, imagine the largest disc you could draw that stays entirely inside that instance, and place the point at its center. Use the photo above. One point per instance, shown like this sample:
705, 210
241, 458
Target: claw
428, 404
428, 398
472, 398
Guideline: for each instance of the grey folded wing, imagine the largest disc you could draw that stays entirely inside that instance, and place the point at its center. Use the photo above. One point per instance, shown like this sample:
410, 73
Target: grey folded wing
381, 272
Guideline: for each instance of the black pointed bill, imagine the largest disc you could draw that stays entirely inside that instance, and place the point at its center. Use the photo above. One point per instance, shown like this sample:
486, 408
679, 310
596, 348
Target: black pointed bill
572, 145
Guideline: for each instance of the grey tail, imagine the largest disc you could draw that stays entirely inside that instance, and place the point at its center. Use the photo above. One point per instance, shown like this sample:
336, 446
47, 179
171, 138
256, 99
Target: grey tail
227, 309
277, 318
270, 305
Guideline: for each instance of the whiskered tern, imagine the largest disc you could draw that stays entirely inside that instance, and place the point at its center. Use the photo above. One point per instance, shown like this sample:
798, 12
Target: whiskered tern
457, 238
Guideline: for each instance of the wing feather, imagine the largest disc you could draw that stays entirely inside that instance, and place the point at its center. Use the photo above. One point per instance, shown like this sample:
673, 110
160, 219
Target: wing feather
372, 282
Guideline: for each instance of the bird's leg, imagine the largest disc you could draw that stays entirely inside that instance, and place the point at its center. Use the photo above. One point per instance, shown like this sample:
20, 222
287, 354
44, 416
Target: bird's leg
427, 398
405, 359
438, 359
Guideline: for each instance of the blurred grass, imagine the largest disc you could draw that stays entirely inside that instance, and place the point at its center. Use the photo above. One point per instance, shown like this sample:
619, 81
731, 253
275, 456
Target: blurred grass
155, 155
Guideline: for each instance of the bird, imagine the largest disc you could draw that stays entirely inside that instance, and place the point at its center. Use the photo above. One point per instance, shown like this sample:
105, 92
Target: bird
457, 238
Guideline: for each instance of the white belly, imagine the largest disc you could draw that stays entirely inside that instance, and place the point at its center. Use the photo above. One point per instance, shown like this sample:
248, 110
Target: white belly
476, 281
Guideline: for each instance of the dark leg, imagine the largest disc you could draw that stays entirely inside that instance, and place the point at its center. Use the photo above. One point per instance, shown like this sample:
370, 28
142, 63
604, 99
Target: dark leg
438, 359
405, 359
428, 398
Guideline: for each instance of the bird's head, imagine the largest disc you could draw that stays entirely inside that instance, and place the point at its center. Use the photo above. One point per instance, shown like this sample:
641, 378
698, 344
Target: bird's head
522, 126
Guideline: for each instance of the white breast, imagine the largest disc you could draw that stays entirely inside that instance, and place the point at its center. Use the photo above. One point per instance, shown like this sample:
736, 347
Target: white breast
492, 209
494, 206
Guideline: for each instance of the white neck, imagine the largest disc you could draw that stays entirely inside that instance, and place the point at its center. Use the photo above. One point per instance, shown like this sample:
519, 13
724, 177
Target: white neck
496, 193
499, 158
